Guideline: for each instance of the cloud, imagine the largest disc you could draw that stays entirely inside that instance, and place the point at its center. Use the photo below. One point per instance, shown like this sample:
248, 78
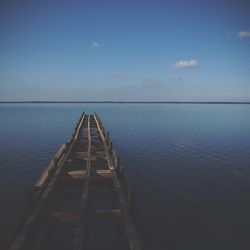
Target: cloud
186, 64
243, 34
149, 83
94, 44
119, 77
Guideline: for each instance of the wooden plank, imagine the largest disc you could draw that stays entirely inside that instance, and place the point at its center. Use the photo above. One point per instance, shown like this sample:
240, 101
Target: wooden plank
83, 173
67, 216
106, 212
76, 173
81, 228
101, 173
131, 234
44, 177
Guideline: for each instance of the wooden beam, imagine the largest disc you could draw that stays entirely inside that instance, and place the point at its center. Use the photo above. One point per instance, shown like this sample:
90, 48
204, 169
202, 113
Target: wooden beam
81, 228
28, 225
131, 234
83, 173
76, 173
106, 212
44, 177
67, 216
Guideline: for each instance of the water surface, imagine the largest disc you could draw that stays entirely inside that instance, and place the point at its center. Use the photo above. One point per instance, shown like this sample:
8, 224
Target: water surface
189, 165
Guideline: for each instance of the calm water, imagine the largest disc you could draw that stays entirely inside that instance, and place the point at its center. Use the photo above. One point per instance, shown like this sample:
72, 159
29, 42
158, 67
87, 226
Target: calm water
189, 166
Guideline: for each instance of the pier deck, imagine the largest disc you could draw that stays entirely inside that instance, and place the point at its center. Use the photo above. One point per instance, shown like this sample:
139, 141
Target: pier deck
80, 201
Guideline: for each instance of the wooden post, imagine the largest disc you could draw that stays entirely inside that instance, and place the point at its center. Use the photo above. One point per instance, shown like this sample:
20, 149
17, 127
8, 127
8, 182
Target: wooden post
116, 159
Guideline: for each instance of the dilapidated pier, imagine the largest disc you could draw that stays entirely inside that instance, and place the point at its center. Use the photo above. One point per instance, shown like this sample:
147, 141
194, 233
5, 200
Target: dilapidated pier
80, 201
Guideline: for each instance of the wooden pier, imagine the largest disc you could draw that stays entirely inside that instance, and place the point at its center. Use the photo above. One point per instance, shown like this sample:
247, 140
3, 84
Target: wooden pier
80, 201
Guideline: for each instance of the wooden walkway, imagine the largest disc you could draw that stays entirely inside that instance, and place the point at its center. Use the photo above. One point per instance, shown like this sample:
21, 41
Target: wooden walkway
80, 201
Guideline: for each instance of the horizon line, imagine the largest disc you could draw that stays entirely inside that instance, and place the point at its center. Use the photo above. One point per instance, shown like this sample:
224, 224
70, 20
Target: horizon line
135, 102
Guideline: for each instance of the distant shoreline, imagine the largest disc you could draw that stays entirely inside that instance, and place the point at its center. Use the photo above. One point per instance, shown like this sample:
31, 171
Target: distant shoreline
119, 102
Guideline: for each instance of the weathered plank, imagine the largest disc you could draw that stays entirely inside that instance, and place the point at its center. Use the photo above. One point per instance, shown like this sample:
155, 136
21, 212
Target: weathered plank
52, 164
81, 229
26, 228
132, 237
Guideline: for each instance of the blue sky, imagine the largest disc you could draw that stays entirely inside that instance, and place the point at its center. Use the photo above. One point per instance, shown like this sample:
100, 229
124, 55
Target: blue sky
125, 50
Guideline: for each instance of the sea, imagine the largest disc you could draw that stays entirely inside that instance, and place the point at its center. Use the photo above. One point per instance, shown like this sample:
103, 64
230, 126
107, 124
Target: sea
188, 164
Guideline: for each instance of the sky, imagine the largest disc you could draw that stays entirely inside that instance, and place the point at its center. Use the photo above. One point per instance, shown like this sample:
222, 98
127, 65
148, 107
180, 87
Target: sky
124, 50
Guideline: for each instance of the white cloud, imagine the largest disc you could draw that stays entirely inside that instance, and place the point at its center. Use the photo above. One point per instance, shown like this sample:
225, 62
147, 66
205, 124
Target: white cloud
149, 83
186, 64
94, 44
243, 34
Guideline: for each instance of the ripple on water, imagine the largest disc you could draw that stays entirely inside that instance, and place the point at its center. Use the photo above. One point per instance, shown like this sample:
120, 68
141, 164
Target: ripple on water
189, 163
